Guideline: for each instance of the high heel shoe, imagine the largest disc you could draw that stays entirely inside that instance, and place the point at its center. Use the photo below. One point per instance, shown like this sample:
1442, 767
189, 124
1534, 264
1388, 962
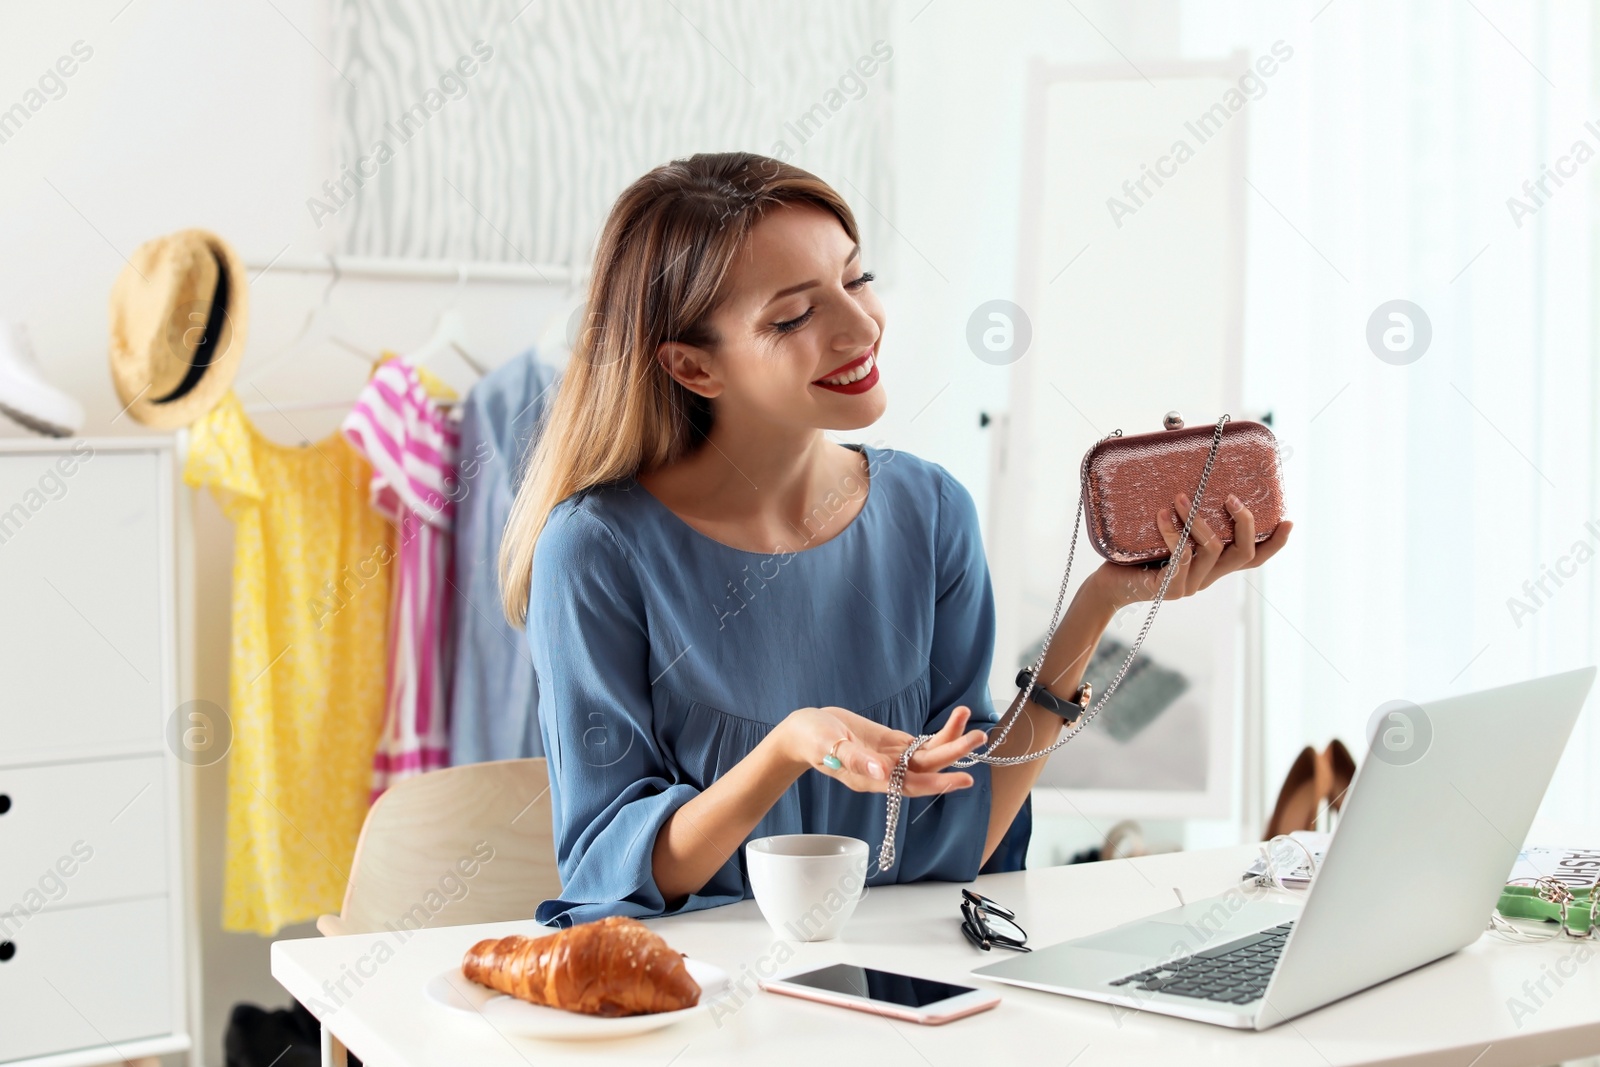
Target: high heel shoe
1296, 808
1342, 770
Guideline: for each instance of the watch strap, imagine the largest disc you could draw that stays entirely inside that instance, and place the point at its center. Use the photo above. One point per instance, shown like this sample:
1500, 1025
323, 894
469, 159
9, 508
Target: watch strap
1070, 710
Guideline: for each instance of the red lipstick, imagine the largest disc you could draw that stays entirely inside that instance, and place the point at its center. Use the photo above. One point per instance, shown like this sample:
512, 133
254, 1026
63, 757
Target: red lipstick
860, 385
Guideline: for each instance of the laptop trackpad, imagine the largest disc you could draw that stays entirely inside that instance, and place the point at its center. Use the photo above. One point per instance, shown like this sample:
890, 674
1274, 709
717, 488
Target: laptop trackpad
1151, 938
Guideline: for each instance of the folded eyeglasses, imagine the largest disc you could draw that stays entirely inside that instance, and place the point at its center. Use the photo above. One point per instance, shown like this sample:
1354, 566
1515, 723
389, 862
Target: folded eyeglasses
987, 924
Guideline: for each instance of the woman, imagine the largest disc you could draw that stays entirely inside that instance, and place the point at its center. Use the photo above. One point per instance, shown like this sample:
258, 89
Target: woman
719, 598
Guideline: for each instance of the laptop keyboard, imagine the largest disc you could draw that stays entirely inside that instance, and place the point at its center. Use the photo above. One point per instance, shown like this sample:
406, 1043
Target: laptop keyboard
1235, 973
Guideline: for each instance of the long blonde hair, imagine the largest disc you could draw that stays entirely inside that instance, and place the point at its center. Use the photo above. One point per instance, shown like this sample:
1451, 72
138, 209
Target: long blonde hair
663, 256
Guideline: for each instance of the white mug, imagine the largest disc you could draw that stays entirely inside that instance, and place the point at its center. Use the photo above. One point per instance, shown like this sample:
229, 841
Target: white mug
807, 885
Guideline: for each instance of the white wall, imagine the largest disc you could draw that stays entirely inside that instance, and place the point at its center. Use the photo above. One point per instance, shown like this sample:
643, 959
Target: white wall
961, 72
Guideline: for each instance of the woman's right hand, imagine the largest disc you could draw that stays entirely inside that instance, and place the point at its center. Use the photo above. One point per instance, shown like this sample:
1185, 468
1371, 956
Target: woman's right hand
871, 749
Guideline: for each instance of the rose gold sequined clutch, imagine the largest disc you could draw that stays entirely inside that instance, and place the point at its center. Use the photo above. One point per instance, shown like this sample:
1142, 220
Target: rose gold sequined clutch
1127, 480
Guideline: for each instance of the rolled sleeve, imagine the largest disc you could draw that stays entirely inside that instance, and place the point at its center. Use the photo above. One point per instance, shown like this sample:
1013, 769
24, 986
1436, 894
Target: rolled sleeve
611, 789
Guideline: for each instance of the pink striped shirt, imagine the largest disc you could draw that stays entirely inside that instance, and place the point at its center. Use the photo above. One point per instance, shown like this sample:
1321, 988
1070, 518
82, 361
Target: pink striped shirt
412, 446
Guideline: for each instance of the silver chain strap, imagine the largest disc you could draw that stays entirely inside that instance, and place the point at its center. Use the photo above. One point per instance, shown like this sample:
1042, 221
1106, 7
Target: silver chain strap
897, 785
897, 775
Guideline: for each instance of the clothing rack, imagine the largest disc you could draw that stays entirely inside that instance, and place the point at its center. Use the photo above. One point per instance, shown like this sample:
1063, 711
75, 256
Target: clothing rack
427, 270
401, 269
258, 407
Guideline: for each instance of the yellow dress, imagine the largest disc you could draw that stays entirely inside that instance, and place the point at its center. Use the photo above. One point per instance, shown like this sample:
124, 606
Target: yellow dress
306, 681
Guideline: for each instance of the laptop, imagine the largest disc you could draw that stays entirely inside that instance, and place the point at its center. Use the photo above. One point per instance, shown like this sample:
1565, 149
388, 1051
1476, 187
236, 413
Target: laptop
1427, 836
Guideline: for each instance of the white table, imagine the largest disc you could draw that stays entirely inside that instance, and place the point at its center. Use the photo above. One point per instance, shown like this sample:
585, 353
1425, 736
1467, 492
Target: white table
1456, 1012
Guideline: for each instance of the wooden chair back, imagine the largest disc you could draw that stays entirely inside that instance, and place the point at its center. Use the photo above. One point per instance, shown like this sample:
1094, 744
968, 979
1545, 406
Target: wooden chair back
466, 844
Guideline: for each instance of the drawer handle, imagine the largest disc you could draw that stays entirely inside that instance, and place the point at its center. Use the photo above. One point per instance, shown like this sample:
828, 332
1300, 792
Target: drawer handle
7, 950
5, 803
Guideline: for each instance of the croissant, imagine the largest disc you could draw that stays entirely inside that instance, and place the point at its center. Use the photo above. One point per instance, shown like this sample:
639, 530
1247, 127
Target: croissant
615, 966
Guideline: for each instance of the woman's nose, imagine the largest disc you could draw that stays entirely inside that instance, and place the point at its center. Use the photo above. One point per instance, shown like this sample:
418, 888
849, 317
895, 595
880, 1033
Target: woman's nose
856, 329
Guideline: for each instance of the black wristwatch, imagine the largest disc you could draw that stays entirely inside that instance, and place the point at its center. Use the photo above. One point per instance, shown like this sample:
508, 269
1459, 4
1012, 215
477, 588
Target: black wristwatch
1070, 710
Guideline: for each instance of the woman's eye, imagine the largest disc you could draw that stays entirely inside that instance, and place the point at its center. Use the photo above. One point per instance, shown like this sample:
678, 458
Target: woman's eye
790, 325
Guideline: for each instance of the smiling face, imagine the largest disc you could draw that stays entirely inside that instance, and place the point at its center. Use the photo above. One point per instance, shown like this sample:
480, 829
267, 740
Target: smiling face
798, 330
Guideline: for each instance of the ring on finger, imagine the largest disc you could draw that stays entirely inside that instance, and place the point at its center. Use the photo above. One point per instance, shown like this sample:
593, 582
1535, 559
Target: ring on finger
831, 760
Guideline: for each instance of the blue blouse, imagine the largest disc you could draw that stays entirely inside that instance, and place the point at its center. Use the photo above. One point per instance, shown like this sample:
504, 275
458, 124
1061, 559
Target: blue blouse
664, 657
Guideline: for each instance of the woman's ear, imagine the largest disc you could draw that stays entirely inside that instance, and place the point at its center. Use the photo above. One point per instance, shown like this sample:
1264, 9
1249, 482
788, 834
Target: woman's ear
690, 367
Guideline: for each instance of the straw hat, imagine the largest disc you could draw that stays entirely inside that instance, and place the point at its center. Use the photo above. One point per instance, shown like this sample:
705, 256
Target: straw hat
178, 320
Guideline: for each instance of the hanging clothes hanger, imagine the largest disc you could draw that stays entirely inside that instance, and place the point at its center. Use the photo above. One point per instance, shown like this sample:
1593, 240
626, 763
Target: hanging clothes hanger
322, 325
449, 333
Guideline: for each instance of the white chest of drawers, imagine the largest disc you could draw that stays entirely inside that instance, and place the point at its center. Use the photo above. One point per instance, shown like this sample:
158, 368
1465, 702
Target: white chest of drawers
93, 923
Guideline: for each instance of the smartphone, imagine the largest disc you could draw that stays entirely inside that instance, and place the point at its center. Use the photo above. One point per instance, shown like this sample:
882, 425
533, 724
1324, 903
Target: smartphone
899, 996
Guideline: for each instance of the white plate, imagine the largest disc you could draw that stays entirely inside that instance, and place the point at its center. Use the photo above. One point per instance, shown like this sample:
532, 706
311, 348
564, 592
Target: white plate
453, 990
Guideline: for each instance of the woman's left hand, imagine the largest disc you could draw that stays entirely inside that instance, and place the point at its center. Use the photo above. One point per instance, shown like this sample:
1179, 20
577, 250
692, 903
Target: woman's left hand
1205, 559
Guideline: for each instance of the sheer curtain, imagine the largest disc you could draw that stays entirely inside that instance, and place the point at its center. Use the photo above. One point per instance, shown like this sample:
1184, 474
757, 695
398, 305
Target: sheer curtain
1448, 531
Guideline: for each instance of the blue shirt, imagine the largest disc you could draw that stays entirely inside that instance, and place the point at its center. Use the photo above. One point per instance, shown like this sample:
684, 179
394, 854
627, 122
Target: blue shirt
494, 697
664, 657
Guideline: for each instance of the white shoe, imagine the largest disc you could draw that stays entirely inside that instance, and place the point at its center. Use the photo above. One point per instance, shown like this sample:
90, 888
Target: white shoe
25, 395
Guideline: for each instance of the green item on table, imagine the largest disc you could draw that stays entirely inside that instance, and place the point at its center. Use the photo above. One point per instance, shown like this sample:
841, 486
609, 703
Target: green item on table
1526, 902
